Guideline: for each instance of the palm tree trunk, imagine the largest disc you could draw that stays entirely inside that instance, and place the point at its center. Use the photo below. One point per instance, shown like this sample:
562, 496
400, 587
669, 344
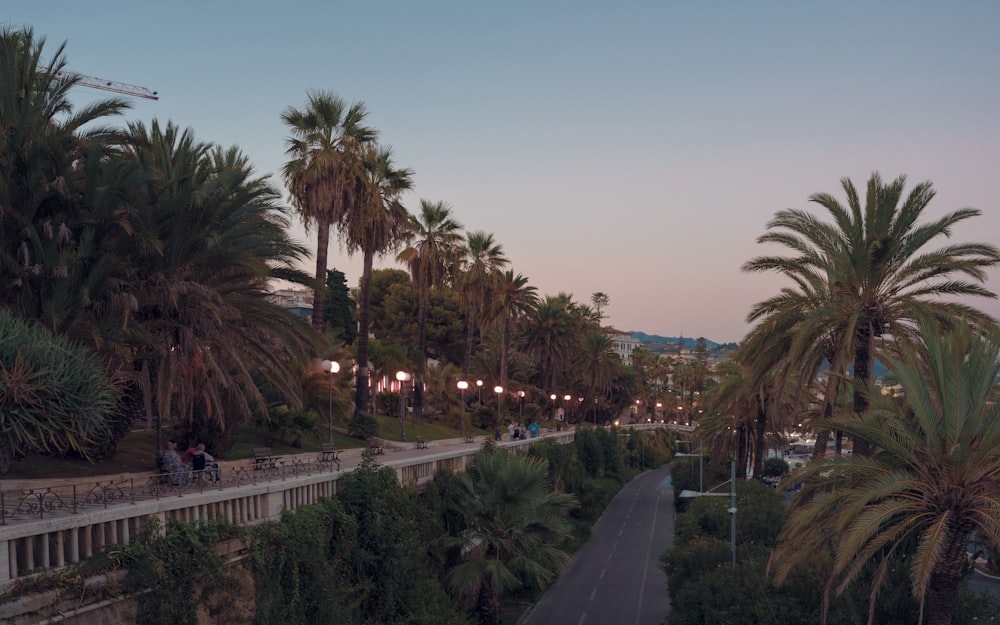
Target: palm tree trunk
488, 604
362, 390
863, 356
829, 398
760, 433
469, 337
418, 377
319, 289
504, 348
942, 591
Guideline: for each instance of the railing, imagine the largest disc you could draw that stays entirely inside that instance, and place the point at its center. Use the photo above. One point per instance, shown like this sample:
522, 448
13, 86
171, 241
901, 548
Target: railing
51, 526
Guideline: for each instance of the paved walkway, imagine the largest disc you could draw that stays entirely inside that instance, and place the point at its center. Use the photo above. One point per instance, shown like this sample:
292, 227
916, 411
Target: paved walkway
29, 501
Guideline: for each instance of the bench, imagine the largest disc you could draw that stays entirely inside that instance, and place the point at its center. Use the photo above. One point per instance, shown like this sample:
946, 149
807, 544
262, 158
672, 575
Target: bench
377, 447
329, 453
421, 442
262, 458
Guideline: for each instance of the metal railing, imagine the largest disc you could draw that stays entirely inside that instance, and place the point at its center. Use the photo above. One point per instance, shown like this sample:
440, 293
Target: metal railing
37, 503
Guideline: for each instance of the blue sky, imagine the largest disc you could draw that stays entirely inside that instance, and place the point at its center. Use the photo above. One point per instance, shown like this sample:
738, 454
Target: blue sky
634, 148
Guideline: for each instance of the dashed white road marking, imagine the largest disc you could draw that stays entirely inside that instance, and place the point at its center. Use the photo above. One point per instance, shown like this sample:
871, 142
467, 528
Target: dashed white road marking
592, 593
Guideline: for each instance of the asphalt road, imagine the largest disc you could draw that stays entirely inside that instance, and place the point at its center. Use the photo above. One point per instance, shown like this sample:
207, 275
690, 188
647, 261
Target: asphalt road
615, 579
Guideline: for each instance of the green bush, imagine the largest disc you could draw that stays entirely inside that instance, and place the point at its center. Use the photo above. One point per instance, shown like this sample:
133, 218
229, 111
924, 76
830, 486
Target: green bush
54, 396
362, 425
775, 467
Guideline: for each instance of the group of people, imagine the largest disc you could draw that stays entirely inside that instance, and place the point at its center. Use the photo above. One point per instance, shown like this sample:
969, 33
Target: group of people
194, 459
518, 431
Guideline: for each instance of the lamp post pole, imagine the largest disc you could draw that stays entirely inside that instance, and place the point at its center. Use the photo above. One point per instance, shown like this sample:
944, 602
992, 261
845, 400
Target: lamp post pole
331, 367
462, 385
701, 463
479, 385
520, 408
553, 398
566, 399
499, 391
402, 377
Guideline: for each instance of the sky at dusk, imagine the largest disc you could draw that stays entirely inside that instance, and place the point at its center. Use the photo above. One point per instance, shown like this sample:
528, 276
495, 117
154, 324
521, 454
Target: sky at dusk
633, 148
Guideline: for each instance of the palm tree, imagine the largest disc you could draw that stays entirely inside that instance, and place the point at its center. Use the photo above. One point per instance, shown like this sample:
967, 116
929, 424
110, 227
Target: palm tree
57, 239
933, 476
480, 260
600, 364
549, 336
432, 239
512, 522
376, 227
879, 275
201, 295
326, 174
514, 299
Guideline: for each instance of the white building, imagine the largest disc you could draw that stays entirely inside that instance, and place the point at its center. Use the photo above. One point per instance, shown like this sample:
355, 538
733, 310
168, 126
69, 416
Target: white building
624, 344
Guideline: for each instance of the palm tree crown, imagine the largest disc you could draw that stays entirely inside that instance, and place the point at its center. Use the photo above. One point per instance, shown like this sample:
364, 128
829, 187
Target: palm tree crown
933, 476
326, 174
878, 274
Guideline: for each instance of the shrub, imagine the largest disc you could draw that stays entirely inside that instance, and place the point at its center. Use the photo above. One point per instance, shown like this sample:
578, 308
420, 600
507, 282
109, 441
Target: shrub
362, 425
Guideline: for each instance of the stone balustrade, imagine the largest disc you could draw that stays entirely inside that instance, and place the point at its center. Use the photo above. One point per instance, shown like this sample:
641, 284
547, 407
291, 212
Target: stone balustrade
48, 526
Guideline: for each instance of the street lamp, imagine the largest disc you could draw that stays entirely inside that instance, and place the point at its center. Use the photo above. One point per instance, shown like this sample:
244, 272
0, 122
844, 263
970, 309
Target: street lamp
553, 398
462, 385
520, 408
499, 391
479, 384
402, 376
566, 399
331, 367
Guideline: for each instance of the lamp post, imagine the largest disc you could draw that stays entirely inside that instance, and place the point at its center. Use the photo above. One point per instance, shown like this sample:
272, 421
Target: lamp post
479, 385
553, 398
701, 462
499, 391
520, 408
566, 399
402, 376
462, 385
331, 367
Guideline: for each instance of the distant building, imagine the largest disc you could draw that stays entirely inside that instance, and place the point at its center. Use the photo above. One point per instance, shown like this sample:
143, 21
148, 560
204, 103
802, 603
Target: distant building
624, 344
298, 301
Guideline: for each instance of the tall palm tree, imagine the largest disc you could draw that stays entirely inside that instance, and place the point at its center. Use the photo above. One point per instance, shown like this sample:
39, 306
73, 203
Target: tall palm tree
481, 259
514, 300
375, 226
511, 522
326, 173
933, 476
880, 276
432, 239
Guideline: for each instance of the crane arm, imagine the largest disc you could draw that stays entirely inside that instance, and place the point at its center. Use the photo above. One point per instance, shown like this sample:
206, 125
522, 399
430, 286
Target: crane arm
107, 85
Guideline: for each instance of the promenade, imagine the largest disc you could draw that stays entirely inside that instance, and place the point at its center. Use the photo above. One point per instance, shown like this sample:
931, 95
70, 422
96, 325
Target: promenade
48, 524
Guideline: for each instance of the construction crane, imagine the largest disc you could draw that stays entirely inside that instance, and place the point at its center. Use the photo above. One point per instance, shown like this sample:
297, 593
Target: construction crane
106, 85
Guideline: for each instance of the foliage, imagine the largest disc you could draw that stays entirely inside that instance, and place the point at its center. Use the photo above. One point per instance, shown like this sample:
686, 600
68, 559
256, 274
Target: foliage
362, 425
292, 424
175, 573
930, 479
389, 572
299, 565
511, 526
340, 307
775, 467
485, 418
54, 396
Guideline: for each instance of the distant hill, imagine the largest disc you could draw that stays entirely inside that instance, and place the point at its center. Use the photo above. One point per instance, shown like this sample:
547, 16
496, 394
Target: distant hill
657, 343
